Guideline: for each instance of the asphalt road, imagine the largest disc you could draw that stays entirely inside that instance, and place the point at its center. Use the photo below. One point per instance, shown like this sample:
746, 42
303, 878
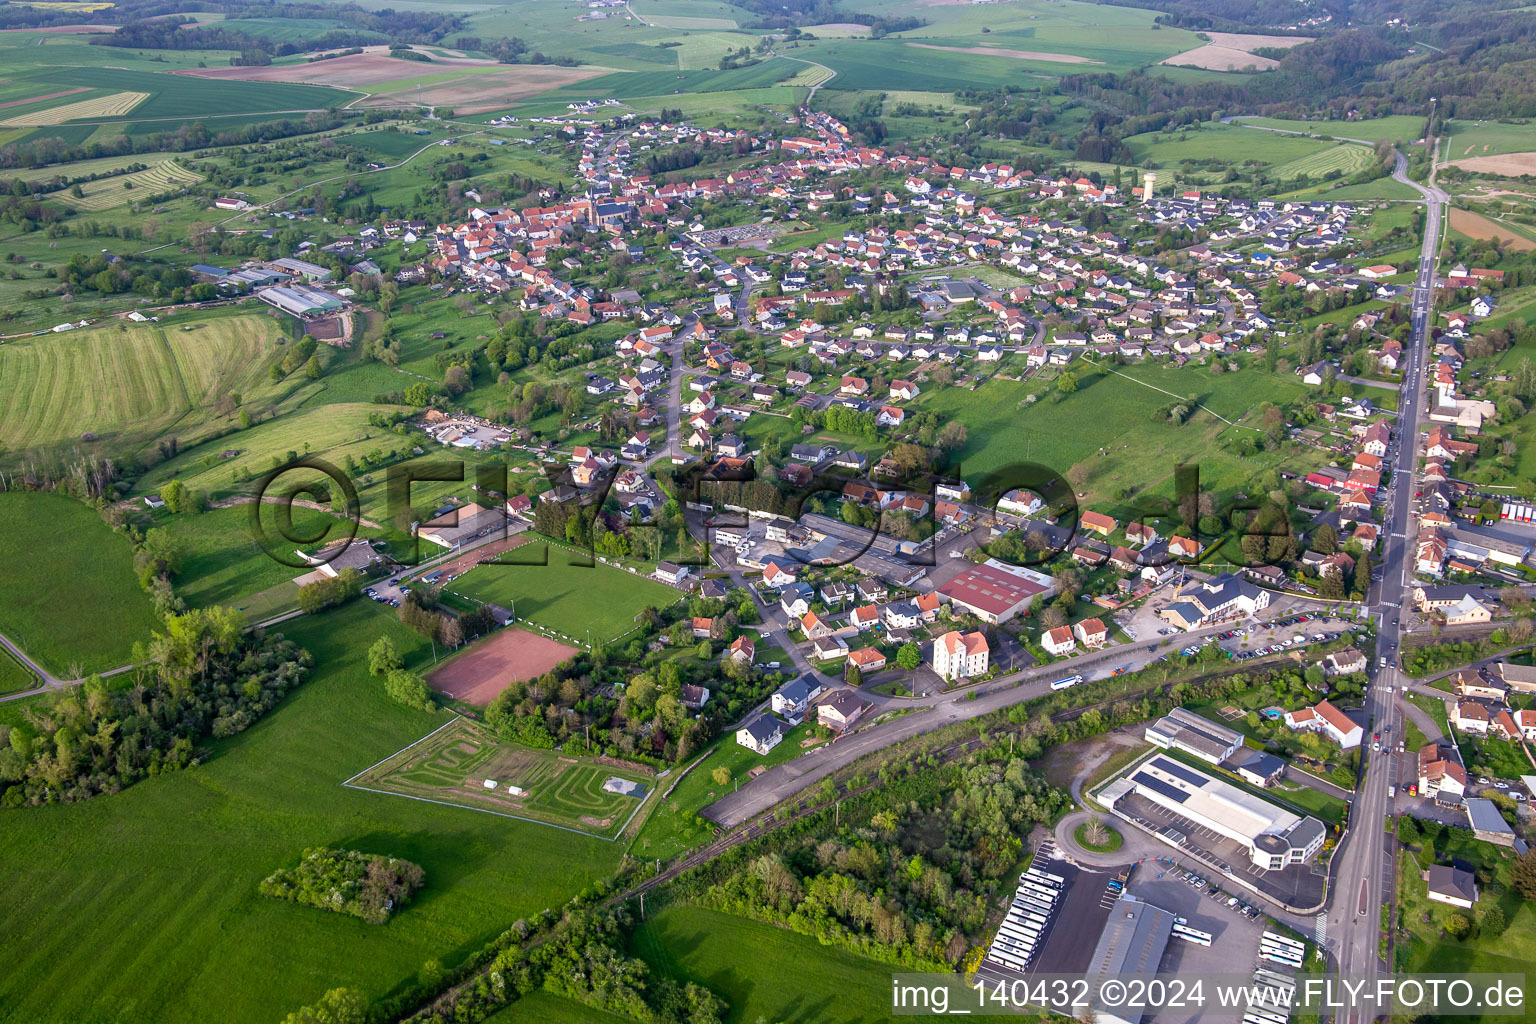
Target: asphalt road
936, 711
1365, 877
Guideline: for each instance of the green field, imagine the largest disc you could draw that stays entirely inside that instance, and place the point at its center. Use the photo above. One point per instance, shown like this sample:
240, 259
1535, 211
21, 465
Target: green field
1127, 447
543, 1007
185, 96
128, 384
1231, 144
14, 676
223, 563
763, 972
569, 600
165, 176
1397, 128
674, 826
72, 602
331, 431
1489, 138
142, 906
451, 764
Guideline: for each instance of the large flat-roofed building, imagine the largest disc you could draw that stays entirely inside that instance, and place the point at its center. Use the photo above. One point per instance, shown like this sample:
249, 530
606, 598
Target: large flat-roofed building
996, 593
1222, 597
1130, 946
1273, 836
1181, 729
301, 300
453, 529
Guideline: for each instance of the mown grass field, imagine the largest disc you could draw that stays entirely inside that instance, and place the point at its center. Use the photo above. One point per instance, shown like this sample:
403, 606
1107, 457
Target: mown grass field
332, 432
71, 601
109, 192
129, 384
143, 906
763, 972
1346, 158
451, 766
600, 602
108, 105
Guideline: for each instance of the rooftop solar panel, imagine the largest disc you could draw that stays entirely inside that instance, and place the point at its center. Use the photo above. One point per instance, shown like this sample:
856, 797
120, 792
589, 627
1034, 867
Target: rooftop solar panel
1178, 771
1159, 786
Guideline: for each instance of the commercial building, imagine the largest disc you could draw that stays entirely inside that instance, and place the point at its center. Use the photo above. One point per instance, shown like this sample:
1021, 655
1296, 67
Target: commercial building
453, 529
1130, 947
300, 300
1273, 836
1223, 597
995, 593
1182, 729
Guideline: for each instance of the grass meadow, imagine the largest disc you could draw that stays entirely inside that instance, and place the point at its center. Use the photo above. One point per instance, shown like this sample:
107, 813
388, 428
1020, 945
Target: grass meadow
764, 972
1127, 446
571, 600
71, 599
142, 906
674, 827
1427, 948
222, 562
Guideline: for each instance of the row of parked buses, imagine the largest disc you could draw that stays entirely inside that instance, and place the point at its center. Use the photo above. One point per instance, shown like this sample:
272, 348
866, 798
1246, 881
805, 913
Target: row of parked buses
1281, 949
1021, 934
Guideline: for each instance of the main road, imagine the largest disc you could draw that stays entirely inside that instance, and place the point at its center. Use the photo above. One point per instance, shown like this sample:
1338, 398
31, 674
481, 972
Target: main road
1365, 879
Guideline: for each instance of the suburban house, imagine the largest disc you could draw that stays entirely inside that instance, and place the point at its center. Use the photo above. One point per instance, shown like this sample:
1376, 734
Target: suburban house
1098, 523
957, 655
839, 710
1058, 641
1439, 774
1091, 633
867, 659
1323, 717
761, 734
791, 699
1451, 885
741, 649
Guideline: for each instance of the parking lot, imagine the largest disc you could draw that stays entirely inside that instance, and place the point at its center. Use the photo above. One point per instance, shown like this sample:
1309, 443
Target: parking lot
1234, 944
1299, 885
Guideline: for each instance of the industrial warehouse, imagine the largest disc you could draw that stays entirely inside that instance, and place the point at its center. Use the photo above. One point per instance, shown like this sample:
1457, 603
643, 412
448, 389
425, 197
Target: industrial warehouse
1273, 837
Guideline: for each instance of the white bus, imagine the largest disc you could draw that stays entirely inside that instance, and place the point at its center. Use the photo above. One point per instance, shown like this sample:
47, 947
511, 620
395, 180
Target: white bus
1062, 684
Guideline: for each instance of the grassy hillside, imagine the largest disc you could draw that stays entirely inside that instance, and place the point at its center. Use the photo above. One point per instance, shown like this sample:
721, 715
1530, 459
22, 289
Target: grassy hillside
129, 384
71, 599
142, 907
